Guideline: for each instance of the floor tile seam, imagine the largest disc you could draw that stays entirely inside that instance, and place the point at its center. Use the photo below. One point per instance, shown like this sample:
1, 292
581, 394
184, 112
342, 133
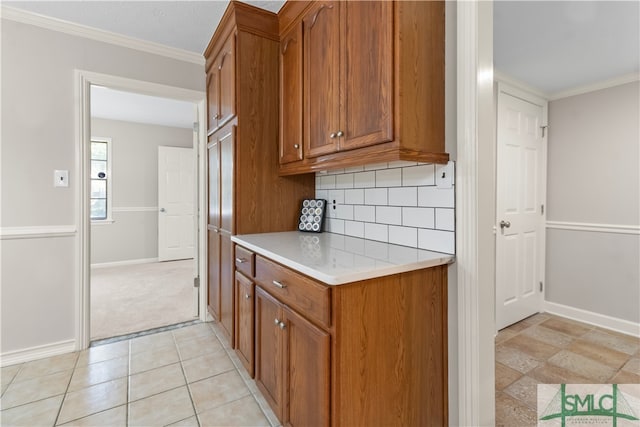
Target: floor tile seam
90, 415
154, 394
98, 383
34, 401
262, 408
209, 377
222, 404
164, 365
12, 379
186, 381
584, 375
66, 391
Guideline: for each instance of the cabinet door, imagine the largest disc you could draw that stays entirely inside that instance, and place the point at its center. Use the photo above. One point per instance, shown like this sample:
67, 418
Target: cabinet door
268, 351
226, 286
321, 78
227, 183
367, 73
227, 70
307, 352
213, 98
213, 171
213, 273
291, 96
244, 321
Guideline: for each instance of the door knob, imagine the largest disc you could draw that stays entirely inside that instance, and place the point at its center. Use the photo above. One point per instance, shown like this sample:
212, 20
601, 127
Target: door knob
505, 224
162, 210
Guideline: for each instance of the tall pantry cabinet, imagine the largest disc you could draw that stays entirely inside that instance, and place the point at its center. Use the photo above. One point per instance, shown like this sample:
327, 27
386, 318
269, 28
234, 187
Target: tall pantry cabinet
246, 195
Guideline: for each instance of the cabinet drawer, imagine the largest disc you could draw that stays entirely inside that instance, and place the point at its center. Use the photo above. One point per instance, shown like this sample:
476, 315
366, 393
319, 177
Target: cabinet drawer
245, 261
309, 298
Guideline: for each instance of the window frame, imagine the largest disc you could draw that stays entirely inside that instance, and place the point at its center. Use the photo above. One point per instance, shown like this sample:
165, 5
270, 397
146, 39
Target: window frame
109, 199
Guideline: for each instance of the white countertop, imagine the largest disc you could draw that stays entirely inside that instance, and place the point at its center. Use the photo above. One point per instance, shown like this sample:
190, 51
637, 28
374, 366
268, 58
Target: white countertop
336, 259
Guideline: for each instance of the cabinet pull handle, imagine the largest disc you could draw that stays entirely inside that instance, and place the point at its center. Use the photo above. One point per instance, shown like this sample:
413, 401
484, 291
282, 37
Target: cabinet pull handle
241, 260
315, 17
282, 325
286, 45
340, 133
279, 284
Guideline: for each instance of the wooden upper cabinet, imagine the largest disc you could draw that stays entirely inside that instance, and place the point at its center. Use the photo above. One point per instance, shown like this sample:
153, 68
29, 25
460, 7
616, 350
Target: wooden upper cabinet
213, 98
366, 74
213, 170
291, 95
321, 78
227, 69
373, 83
227, 182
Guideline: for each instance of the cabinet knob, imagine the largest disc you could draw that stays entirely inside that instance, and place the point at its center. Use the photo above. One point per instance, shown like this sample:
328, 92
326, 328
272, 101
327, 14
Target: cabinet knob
333, 135
276, 321
282, 325
296, 146
340, 133
279, 284
247, 296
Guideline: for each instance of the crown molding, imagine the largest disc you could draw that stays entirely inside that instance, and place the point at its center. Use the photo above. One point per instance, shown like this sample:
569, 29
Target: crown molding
605, 84
504, 78
55, 24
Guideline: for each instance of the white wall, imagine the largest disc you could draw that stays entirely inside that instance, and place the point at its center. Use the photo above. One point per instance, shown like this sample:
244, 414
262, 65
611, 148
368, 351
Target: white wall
38, 136
134, 170
594, 178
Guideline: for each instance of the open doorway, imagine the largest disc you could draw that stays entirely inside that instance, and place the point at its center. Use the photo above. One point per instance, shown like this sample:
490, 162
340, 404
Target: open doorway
134, 193
143, 230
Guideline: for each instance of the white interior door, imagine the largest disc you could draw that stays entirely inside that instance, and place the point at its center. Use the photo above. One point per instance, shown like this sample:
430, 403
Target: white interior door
176, 235
521, 183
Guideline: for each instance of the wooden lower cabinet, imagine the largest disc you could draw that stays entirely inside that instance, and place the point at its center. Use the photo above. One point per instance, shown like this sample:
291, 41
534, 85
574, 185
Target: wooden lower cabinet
292, 363
381, 359
244, 339
226, 286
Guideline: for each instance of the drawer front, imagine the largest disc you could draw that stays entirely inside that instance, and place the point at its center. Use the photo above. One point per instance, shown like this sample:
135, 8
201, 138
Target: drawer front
309, 298
245, 261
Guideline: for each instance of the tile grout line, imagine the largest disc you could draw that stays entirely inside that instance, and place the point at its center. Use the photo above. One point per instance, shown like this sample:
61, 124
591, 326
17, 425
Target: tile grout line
184, 375
64, 396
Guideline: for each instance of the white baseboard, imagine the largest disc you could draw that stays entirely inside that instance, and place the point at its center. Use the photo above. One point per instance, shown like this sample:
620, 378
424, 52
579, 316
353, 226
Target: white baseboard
597, 319
125, 262
35, 353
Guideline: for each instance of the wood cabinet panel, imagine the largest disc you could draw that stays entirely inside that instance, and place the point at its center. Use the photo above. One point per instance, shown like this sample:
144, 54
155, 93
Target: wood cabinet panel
367, 73
213, 273
295, 290
245, 261
307, 356
244, 321
268, 356
213, 171
227, 70
291, 95
226, 287
321, 78
213, 98
227, 183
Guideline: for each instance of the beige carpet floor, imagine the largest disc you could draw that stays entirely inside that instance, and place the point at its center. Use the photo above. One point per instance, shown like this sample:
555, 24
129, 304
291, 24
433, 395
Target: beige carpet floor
133, 298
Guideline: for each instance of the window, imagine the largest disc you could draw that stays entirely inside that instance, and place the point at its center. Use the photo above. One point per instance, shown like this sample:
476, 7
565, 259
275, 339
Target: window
101, 179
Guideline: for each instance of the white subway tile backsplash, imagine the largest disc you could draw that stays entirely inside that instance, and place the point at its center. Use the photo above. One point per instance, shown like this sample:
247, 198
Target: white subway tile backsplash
418, 217
327, 181
399, 202
436, 240
354, 228
375, 196
344, 212
403, 196
334, 225
354, 197
418, 175
377, 232
364, 213
405, 236
335, 172
344, 180
434, 197
364, 180
335, 195
389, 178
445, 219
388, 215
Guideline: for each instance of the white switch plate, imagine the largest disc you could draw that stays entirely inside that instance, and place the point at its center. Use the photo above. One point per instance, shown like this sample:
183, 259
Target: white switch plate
444, 175
60, 178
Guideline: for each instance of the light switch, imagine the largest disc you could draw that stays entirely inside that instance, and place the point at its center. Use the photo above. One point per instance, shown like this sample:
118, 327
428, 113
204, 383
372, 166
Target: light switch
444, 175
61, 178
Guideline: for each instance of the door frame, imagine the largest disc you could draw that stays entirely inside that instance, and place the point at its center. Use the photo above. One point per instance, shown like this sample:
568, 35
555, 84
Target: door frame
512, 89
82, 99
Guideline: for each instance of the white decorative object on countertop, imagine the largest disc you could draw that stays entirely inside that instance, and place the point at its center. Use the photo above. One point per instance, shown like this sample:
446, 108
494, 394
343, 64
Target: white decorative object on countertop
337, 259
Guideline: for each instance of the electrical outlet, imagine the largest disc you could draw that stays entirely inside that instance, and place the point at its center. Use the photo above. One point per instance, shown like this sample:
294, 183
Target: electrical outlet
444, 175
60, 178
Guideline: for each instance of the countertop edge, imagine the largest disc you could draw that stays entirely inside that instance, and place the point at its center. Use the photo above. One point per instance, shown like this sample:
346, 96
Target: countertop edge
344, 278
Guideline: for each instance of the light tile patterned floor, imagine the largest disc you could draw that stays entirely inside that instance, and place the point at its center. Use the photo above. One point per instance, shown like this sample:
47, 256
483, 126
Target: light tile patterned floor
547, 349
183, 377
